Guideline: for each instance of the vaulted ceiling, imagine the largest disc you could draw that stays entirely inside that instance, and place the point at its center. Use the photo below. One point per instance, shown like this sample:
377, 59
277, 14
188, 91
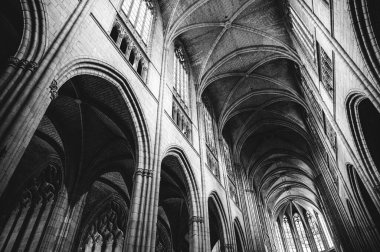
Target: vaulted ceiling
243, 60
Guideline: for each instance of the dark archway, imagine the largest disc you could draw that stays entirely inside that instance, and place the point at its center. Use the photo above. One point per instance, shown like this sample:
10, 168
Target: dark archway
370, 124
239, 236
132, 57
115, 33
217, 239
11, 30
83, 151
364, 121
123, 45
105, 215
363, 198
174, 204
140, 67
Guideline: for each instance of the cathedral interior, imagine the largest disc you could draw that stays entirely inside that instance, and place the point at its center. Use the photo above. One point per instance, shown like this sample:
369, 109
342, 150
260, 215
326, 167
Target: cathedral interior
190, 125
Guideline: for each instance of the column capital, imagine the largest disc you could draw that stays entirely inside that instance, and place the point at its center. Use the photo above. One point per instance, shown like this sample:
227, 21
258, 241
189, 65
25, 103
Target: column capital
196, 219
13, 61
229, 246
53, 90
32, 66
143, 172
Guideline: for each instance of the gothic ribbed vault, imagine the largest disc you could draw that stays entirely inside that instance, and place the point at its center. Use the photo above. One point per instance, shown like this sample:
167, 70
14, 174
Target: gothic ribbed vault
243, 60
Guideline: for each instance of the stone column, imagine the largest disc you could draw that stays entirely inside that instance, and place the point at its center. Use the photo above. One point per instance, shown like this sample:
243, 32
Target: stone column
129, 50
138, 56
283, 237
322, 232
144, 72
256, 222
98, 243
89, 244
137, 220
109, 243
119, 241
120, 38
20, 119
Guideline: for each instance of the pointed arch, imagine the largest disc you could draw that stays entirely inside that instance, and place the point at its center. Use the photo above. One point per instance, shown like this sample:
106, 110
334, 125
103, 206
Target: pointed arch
218, 226
364, 120
179, 197
239, 236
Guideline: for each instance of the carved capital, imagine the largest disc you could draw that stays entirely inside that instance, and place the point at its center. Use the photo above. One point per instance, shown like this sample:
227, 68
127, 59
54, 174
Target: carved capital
143, 172
229, 246
377, 188
24, 63
13, 61
32, 66
53, 90
196, 219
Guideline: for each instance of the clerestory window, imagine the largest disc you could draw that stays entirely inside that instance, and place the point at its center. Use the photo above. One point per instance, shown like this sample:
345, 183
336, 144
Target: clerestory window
315, 230
278, 237
289, 235
301, 233
181, 77
140, 14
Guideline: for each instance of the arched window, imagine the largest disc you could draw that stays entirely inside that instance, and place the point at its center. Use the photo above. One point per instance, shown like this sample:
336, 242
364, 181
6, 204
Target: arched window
363, 198
301, 232
132, 57
364, 121
140, 67
315, 230
124, 45
370, 124
227, 158
280, 245
140, 14
211, 136
181, 76
325, 230
115, 33
288, 235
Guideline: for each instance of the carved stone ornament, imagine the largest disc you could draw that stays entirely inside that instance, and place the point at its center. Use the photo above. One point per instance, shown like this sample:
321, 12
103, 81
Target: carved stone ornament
13, 61
24, 63
197, 219
229, 246
143, 172
53, 90
32, 66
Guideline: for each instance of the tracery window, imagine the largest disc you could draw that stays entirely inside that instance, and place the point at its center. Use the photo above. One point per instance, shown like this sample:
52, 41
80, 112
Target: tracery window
233, 193
181, 93
288, 235
37, 198
182, 120
315, 230
278, 237
181, 76
211, 150
301, 232
105, 233
325, 230
227, 158
325, 69
209, 130
140, 14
